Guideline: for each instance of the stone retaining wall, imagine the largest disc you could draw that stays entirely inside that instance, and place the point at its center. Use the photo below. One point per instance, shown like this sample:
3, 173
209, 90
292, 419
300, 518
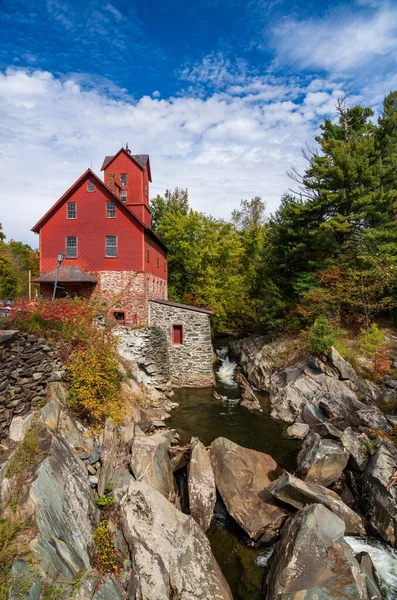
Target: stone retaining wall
191, 361
147, 346
27, 364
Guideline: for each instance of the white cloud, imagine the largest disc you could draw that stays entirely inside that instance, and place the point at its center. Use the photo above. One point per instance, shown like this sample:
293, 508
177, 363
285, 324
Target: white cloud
342, 42
223, 148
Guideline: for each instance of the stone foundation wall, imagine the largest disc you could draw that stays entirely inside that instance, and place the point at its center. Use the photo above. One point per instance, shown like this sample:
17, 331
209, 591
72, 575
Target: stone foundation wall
123, 290
190, 362
148, 348
27, 364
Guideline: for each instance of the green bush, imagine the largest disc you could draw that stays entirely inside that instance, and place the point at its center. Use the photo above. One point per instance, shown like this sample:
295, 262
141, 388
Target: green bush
322, 337
371, 340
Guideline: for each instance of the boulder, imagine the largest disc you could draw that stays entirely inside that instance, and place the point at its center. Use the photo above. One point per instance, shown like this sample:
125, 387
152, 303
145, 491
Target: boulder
297, 493
201, 485
121, 479
88, 585
18, 427
171, 555
379, 492
127, 437
108, 453
373, 417
150, 462
248, 398
24, 583
344, 368
320, 460
298, 431
108, 589
367, 567
357, 444
56, 495
313, 561
242, 477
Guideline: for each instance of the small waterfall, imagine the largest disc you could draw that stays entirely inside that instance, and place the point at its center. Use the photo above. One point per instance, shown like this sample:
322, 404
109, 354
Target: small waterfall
384, 559
225, 372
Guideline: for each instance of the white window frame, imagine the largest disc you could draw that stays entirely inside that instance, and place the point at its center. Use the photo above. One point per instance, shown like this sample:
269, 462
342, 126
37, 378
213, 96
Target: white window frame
67, 210
124, 175
123, 195
113, 207
89, 184
111, 246
70, 237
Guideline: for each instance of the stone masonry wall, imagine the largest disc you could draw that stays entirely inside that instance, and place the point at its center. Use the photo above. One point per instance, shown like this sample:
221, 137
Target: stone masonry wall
190, 362
27, 364
147, 346
123, 290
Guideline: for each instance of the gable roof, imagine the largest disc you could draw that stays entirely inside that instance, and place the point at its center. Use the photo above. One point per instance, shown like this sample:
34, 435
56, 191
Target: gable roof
88, 173
142, 160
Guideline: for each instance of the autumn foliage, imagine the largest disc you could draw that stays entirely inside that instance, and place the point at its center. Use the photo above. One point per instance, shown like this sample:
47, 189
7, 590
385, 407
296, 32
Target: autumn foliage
89, 350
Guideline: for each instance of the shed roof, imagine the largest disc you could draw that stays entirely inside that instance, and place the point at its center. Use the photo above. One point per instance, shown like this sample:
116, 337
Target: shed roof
183, 306
67, 275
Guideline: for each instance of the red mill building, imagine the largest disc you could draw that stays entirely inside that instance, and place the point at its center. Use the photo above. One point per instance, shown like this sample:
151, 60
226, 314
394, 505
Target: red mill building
111, 253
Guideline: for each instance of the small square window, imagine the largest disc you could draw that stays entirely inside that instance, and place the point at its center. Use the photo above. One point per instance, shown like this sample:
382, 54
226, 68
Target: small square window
71, 246
111, 246
119, 315
71, 210
90, 187
123, 195
123, 178
177, 334
111, 210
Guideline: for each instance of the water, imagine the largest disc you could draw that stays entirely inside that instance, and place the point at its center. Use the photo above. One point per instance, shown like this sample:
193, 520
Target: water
202, 415
384, 559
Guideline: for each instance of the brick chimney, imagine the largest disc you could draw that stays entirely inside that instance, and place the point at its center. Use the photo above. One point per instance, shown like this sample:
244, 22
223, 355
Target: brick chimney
111, 182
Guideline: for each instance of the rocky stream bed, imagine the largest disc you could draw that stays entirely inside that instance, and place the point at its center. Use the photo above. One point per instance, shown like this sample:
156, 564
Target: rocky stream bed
278, 485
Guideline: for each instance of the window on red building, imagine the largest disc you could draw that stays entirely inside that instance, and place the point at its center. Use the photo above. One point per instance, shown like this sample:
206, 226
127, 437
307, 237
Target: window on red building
71, 246
111, 246
90, 187
123, 195
71, 210
111, 210
123, 178
177, 334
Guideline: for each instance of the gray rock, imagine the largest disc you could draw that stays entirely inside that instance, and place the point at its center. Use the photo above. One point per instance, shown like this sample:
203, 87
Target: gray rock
312, 415
297, 493
57, 495
24, 583
373, 417
367, 567
298, 430
127, 437
343, 367
150, 462
50, 414
379, 493
171, 555
320, 460
121, 479
109, 589
108, 453
93, 479
313, 561
248, 398
201, 486
242, 477
18, 427
328, 430
88, 585
94, 456
357, 444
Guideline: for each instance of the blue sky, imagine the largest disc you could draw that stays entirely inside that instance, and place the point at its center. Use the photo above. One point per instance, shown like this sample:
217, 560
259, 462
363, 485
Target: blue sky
221, 94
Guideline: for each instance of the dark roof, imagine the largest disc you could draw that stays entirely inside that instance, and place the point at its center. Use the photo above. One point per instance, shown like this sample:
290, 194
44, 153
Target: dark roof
67, 275
142, 160
63, 198
106, 161
183, 306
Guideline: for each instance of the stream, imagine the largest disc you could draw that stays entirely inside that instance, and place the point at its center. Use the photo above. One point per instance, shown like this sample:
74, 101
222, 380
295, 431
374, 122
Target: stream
201, 415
